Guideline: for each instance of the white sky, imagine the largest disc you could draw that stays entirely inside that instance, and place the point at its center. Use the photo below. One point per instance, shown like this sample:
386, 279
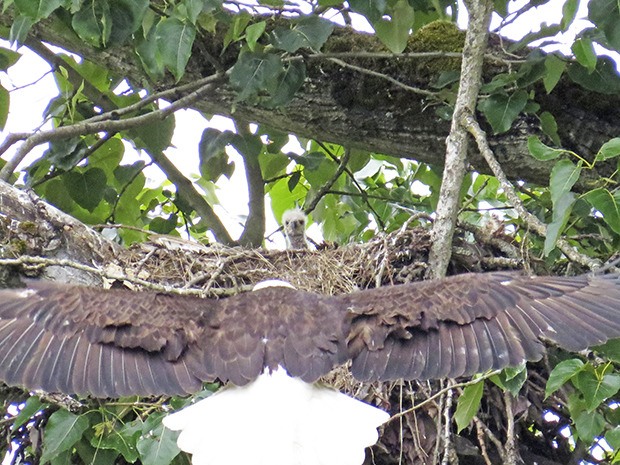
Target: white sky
32, 86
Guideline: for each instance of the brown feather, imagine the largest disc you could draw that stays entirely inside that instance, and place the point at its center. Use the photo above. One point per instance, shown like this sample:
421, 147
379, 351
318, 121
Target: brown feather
115, 343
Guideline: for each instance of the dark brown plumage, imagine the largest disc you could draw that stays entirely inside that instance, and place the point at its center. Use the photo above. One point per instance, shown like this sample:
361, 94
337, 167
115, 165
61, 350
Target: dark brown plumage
113, 343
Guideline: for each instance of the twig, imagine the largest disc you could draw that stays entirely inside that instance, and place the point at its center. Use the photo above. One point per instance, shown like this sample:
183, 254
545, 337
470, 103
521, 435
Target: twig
355, 183
325, 188
370, 72
481, 442
443, 391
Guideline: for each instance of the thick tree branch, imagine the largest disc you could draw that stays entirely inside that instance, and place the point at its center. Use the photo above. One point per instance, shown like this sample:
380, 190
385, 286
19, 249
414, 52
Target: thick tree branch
254, 230
334, 105
456, 145
35, 227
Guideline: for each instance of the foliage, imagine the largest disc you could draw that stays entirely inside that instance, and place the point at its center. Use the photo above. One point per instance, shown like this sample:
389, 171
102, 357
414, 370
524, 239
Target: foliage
268, 53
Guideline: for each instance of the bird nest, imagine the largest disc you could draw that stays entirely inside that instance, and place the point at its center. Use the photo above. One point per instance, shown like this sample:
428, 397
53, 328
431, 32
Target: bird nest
395, 258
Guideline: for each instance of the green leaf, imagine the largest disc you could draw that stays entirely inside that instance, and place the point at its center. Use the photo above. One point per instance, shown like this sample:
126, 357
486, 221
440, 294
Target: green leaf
569, 12
123, 440
468, 404
564, 175
174, 42
93, 22
56, 194
20, 28
311, 32
613, 437
148, 51
237, 28
501, 109
395, 33
157, 445
37, 9
589, 425
603, 80
8, 58
66, 153
253, 33
214, 161
127, 17
596, 388
610, 149
541, 151
86, 189
164, 225
585, 54
550, 126
373, 10
287, 84
603, 201
554, 67
255, 72
192, 9
5, 103
32, 406
562, 372
611, 349
62, 431
154, 137
511, 379
561, 213
605, 14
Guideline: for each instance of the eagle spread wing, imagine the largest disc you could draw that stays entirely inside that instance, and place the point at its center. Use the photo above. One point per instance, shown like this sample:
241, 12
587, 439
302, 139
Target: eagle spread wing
112, 343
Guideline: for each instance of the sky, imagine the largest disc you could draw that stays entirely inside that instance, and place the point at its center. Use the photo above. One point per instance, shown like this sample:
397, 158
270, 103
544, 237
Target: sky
32, 85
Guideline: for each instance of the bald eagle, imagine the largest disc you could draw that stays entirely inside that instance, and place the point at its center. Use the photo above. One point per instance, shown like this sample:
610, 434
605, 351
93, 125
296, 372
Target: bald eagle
277, 341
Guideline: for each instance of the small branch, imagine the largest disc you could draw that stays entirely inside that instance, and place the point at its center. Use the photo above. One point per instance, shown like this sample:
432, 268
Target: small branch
73, 76
489, 434
481, 442
510, 450
456, 144
532, 221
325, 188
447, 427
355, 183
409, 55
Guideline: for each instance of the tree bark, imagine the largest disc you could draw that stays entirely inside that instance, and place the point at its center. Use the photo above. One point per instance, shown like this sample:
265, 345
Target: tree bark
29, 226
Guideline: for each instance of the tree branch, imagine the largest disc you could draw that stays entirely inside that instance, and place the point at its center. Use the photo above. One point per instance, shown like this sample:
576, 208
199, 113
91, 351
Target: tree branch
95, 125
254, 230
189, 193
394, 122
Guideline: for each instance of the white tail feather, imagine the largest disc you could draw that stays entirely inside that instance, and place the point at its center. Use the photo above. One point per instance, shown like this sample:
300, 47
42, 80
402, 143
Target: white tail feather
277, 420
